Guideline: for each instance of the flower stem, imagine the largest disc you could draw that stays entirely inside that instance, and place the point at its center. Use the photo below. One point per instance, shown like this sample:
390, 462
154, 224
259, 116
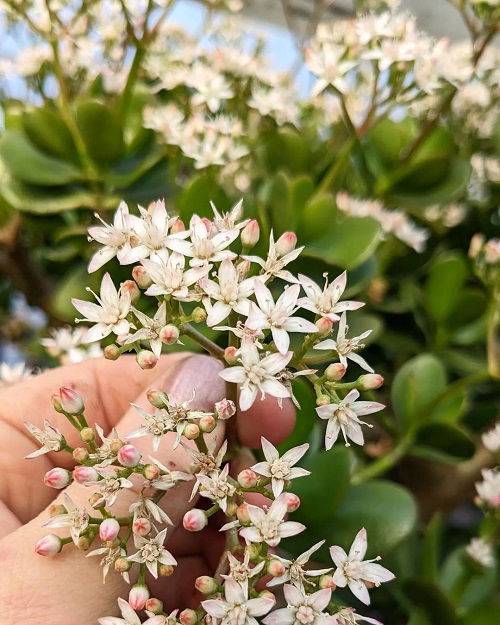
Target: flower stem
212, 348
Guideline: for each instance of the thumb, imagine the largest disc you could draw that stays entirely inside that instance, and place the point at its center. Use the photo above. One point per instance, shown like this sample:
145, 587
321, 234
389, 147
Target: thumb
68, 589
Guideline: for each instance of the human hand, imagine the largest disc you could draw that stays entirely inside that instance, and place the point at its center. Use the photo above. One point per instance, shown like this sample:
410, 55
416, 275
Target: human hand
69, 591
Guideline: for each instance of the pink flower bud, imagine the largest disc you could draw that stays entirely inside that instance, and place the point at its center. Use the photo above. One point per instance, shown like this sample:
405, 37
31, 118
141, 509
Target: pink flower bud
231, 355
225, 409
80, 454
151, 472
109, 529
71, 401
141, 276
199, 315
194, 520
250, 233
130, 287
57, 478
370, 381
322, 400
326, 581
129, 456
156, 398
111, 352
207, 223
335, 371
275, 568
169, 334
141, 526
292, 502
115, 445
247, 478
85, 474
242, 514
207, 424
138, 596
286, 243
146, 359
324, 326
56, 402
177, 226
191, 431
154, 605
206, 585
243, 268
48, 545
188, 617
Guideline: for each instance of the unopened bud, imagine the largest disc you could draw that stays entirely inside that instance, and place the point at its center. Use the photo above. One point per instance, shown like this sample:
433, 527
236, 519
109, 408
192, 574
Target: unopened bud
154, 605
207, 423
122, 565
56, 403
156, 398
87, 435
207, 223
242, 514
292, 502
191, 431
57, 478
177, 226
225, 409
169, 334
324, 326
83, 543
85, 474
335, 371
231, 355
188, 617
71, 401
151, 472
48, 546
231, 508
116, 444
286, 243
206, 585
194, 520
129, 456
247, 478
96, 501
253, 551
165, 570
250, 234
370, 381
141, 526
199, 315
242, 269
141, 276
267, 594
323, 400
476, 244
130, 287
80, 454
326, 581
146, 359
111, 352
138, 596
275, 568
55, 509
109, 529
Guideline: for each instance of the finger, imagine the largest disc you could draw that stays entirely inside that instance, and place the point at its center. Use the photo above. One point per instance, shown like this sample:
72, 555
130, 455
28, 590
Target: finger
266, 418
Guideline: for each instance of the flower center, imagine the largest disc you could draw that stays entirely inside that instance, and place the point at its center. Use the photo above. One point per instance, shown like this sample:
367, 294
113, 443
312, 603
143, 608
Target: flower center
150, 552
305, 614
279, 469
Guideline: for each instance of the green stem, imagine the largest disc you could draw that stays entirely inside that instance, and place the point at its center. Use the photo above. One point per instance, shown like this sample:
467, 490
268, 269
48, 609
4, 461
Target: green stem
383, 464
212, 348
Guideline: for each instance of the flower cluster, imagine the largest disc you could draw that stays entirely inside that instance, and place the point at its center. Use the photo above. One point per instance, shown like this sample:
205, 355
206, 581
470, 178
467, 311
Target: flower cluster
277, 323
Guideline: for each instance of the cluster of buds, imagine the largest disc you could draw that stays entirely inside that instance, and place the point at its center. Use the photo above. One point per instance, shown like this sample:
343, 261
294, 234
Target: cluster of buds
261, 357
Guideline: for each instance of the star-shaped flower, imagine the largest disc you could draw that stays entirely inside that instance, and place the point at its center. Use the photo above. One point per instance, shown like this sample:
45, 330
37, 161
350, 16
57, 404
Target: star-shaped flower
275, 263
150, 330
236, 608
280, 470
325, 302
115, 238
269, 526
302, 608
77, 519
50, 438
346, 348
294, 569
151, 552
169, 276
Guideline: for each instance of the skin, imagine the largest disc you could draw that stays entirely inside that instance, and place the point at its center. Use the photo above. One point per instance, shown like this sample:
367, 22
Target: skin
68, 589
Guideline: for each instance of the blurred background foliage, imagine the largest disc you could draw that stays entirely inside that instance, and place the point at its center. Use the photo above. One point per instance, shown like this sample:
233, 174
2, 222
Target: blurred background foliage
383, 177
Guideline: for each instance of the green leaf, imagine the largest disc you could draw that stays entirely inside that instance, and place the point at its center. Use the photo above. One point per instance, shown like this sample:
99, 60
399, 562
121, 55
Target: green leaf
415, 385
101, 132
450, 408
301, 189
28, 164
306, 415
431, 547
431, 599
351, 242
48, 132
443, 442
444, 285
134, 166
276, 196
318, 216
153, 184
196, 198
285, 149
73, 285
485, 614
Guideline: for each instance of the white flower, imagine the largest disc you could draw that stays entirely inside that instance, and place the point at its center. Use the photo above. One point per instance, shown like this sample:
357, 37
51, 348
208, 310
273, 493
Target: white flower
168, 479
346, 348
104, 453
50, 438
343, 417
77, 519
347, 616
151, 552
326, 302
269, 526
147, 508
212, 88
302, 609
109, 555
229, 293
489, 489
353, 571
114, 237
205, 248
150, 330
66, 344
109, 315
205, 462
129, 616
257, 374
109, 486
491, 438
215, 486
277, 316
236, 608
229, 221
280, 470
10, 375
244, 333
481, 551
241, 570
169, 277
294, 569
275, 263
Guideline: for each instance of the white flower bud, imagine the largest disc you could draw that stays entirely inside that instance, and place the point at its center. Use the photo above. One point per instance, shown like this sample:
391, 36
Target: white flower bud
191, 431
199, 315
80, 454
169, 334
109, 529
324, 326
146, 359
194, 520
177, 226
129, 456
154, 605
156, 398
141, 276
165, 570
71, 401
231, 355
286, 243
141, 526
111, 352
57, 478
85, 474
275, 568
138, 596
250, 234
247, 478
326, 581
130, 287
188, 617
206, 585
207, 423
48, 546
292, 502
335, 371
151, 472
87, 435
122, 565
242, 514
370, 381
